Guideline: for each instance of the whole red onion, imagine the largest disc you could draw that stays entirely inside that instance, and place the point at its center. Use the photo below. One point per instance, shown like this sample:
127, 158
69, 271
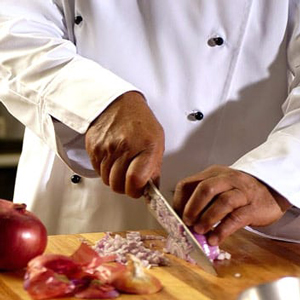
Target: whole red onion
22, 236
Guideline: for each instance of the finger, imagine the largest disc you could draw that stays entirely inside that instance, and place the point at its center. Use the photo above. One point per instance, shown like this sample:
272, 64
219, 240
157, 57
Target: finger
183, 191
239, 218
202, 196
141, 169
185, 188
96, 164
117, 174
105, 168
222, 205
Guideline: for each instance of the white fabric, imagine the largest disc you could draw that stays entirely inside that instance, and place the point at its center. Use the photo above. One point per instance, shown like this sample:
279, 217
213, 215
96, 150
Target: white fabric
57, 76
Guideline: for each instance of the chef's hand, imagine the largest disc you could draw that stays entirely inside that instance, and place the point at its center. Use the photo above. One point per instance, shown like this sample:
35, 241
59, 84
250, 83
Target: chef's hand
230, 197
126, 144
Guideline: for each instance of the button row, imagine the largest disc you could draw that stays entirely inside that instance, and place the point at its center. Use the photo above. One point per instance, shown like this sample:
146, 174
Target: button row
194, 115
212, 42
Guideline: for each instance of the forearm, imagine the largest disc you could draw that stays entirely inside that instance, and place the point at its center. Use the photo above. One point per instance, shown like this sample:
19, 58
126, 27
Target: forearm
41, 74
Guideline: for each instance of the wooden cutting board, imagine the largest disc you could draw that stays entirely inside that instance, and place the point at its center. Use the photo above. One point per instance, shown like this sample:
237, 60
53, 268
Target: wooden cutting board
254, 260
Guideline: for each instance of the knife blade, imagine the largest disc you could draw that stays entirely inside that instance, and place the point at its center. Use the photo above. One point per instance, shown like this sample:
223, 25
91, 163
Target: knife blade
159, 207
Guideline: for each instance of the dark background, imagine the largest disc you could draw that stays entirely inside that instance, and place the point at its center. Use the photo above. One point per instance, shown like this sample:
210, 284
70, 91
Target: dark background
11, 138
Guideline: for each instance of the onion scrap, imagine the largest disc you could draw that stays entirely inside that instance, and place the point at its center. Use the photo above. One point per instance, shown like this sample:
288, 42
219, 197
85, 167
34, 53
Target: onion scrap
85, 274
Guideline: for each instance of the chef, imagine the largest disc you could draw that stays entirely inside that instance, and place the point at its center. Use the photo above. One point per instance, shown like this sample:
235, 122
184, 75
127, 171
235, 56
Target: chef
202, 96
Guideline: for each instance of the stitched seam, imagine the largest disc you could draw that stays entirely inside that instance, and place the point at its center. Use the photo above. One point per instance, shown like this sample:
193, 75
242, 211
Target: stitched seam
231, 71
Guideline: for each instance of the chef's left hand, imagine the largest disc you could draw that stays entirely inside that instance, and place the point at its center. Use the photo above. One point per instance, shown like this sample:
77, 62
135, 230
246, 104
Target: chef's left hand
232, 198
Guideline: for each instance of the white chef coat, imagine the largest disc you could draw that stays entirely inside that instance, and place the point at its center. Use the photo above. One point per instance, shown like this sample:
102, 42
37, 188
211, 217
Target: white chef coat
235, 63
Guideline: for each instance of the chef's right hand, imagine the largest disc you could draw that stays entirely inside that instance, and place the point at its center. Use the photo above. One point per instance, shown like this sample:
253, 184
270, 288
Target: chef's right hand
126, 144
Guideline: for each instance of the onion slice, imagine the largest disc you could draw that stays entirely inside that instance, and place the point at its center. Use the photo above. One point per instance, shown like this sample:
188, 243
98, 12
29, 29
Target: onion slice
136, 280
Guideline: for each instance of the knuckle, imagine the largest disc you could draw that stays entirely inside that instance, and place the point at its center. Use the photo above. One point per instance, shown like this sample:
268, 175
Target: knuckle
117, 147
206, 188
153, 146
237, 219
234, 175
226, 200
242, 177
122, 146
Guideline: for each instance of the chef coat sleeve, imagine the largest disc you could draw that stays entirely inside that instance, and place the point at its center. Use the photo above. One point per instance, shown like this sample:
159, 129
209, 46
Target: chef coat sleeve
46, 85
277, 161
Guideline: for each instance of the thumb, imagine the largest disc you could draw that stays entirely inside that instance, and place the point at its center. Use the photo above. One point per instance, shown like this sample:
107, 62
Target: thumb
143, 168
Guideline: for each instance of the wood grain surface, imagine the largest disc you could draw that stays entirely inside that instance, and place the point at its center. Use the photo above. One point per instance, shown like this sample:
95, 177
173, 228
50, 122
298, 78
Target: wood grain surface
255, 260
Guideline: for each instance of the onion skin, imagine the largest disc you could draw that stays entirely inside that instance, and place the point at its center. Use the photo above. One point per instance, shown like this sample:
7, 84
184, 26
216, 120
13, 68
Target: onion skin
23, 236
86, 275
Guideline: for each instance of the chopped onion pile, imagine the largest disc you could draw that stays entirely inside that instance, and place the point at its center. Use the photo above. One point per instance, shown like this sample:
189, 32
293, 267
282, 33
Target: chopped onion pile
132, 244
177, 242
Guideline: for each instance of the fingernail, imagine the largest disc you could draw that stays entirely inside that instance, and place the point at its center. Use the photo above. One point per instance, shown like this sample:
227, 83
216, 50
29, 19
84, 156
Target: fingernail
187, 221
213, 240
199, 229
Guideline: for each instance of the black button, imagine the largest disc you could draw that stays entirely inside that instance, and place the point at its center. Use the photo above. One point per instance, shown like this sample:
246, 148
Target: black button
196, 115
75, 178
215, 41
78, 20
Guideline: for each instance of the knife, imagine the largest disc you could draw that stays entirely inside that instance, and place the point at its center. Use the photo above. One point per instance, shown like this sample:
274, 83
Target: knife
159, 207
